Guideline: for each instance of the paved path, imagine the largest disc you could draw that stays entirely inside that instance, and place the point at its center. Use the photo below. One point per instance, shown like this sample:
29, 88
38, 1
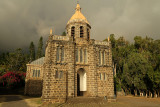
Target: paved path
13, 101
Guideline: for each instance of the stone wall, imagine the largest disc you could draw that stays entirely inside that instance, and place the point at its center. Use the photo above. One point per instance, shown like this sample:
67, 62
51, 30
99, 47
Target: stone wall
105, 85
33, 87
91, 77
58, 89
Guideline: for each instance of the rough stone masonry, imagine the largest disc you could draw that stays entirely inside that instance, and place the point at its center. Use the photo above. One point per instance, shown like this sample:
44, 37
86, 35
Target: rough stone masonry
74, 65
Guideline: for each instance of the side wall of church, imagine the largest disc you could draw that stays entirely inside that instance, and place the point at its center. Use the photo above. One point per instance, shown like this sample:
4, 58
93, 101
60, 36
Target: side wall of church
110, 94
33, 84
104, 71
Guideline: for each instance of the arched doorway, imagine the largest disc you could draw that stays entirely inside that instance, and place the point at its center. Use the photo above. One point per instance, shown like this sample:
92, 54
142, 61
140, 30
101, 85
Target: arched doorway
81, 82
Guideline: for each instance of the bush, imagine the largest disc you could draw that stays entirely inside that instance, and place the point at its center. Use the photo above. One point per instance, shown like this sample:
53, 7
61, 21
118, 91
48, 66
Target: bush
2, 70
12, 80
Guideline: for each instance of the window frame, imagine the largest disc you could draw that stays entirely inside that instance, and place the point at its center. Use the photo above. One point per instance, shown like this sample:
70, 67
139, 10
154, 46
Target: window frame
88, 34
101, 76
77, 55
81, 31
60, 74
85, 56
100, 58
58, 54
73, 31
56, 74
62, 54
33, 75
104, 75
81, 55
38, 73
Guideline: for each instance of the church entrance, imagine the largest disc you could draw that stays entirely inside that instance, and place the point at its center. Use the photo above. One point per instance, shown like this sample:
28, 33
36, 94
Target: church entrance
81, 82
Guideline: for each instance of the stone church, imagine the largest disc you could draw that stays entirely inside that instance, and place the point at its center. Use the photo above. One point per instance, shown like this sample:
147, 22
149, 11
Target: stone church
74, 65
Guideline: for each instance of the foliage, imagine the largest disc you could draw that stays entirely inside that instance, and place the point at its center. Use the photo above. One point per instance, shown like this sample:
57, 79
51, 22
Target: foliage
64, 33
32, 51
138, 64
12, 79
40, 48
16, 60
2, 70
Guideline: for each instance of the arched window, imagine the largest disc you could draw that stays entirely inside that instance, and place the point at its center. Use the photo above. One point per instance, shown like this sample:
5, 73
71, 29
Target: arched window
77, 55
108, 57
81, 32
58, 53
100, 57
88, 34
60, 74
85, 56
101, 76
73, 31
56, 74
33, 73
38, 73
81, 55
104, 74
103, 57
62, 54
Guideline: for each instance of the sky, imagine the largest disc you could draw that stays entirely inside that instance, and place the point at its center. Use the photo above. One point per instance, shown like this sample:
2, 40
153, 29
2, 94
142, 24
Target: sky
23, 21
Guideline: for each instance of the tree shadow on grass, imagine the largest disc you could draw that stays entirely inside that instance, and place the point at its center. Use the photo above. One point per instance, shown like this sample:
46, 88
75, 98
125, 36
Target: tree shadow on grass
13, 94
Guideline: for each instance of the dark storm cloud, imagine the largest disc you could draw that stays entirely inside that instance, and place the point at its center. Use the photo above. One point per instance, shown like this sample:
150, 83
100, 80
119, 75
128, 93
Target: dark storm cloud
23, 21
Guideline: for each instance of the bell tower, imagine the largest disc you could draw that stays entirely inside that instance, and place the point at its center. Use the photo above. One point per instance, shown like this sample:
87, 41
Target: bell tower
78, 26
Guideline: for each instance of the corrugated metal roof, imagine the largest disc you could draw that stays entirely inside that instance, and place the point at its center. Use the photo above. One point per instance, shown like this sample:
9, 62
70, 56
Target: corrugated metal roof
39, 61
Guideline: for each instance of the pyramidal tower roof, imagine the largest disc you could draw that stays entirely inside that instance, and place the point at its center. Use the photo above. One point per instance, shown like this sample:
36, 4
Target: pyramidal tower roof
78, 16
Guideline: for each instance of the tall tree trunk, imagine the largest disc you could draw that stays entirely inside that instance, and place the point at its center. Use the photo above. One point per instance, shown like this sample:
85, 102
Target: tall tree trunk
151, 95
142, 93
155, 94
146, 94
135, 92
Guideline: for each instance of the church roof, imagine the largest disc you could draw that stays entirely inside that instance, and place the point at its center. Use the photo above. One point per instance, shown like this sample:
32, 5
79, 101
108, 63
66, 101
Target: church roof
78, 16
39, 61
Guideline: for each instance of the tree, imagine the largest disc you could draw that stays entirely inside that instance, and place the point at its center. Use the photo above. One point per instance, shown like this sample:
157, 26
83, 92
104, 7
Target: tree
138, 72
138, 42
40, 48
64, 33
15, 60
156, 82
32, 51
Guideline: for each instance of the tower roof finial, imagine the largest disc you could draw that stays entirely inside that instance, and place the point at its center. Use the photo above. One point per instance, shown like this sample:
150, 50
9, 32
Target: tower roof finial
78, 8
78, 15
50, 31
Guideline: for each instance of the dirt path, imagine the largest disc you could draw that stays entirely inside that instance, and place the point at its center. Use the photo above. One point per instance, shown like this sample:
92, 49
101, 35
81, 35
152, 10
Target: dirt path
131, 101
13, 101
122, 101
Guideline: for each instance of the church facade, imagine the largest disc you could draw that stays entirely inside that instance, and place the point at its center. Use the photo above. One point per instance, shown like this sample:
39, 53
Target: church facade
74, 65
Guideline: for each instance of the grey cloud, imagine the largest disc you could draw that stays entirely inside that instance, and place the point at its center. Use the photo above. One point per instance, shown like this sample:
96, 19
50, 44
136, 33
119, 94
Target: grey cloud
23, 21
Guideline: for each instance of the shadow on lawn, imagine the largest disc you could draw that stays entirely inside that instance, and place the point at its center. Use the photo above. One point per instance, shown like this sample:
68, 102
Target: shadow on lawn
9, 91
8, 95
